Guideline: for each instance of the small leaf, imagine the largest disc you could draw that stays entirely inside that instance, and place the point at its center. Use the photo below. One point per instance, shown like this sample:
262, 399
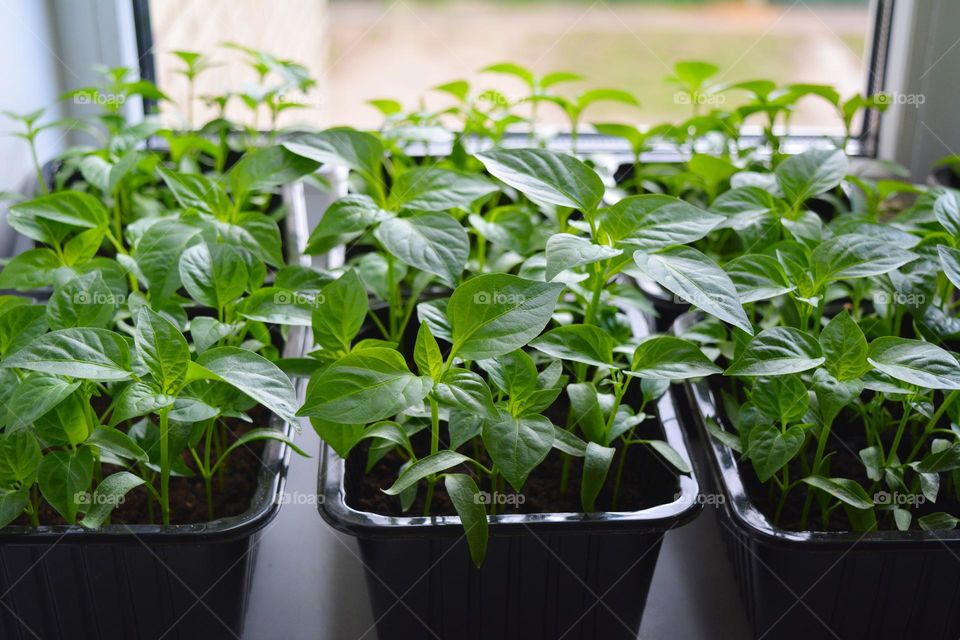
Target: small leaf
566, 251
596, 466
670, 358
584, 343
915, 362
108, 496
518, 445
428, 466
93, 354
546, 177
770, 449
426, 353
776, 352
847, 491
844, 347
464, 495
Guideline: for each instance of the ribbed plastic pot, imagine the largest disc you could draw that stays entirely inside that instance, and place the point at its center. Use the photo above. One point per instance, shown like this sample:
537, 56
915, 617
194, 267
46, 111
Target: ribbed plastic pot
546, 576
811, 584
140, 581
147, 581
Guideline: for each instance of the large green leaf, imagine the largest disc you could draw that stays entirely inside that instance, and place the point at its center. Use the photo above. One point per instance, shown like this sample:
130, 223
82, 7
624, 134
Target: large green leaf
266, 168
343, 221
757, 277
162, 348
359, 151
856, 256
776, 352
213, 274
546, 177
64, 476
34, 395
197, 191
652, 222
807, 175
770, 449
566, 251
696, 279
464, 494
946, 208
432, 189
915, 362
158, 255
494, 314
670, 358
31, 269
432, 242
845, 348
48, 218
341, 308
781, 398
584, 343
364, 386
90, 353
518, 445
255, 376
84, 301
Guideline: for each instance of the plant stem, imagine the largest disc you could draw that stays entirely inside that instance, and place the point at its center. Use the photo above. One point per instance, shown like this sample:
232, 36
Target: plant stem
44, 189
891, 456
434, 448
817, 461
165, 464
207, 476
599, 277
951, 397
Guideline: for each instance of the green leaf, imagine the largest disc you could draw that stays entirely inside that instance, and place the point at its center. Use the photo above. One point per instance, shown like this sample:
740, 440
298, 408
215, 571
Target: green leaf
264, 433
213, 274
12, 504
585, 411
20, 326
343, 221
432, 242
945, 459
390, 432
158, 255
162, 348
807, 175
566, 251
108, 496
776, 352
364, 386
846, 490
342, 438
64, 478
670, 455
31, 269
357, 150
255, 376
34, 395
782, 398
466, 390
873, 462
19, 458
938, 521
93, 354
66, 424
757, 277
950, 261
271, 305
139, 399
341, 308
833, 395
518, 445
915, 362
584, 343
844, 347
48, 218
670, 358
596, 466
426, 353
698, 280
652, 222
197, 191
464, 495
428, 466
856, 256
117, 443
546, 177
770, 449
84, 301
946, 208
432, 189
266, 168
494, 314
568, 443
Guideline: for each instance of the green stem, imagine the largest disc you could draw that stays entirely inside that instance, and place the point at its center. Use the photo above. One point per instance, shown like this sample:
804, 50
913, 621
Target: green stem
951, 397
44, 189
165, 465
434, 448
891, 456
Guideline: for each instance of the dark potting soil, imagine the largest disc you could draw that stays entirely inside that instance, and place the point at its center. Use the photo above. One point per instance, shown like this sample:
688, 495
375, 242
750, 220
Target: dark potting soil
647, 481
847, 439
187, 494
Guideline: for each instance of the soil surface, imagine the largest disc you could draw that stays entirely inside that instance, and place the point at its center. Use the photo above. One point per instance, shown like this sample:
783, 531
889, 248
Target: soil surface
647, 481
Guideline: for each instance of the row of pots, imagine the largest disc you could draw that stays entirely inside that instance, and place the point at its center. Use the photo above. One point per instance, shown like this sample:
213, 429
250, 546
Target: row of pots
568, 575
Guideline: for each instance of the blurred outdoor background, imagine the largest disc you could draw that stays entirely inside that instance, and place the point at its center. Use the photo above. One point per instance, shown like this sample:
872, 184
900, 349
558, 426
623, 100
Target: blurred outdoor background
364, 49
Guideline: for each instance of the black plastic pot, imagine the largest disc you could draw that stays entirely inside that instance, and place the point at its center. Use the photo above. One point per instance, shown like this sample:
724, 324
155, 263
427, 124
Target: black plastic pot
546, 575
140, 581
812, 584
